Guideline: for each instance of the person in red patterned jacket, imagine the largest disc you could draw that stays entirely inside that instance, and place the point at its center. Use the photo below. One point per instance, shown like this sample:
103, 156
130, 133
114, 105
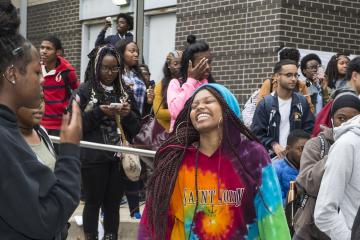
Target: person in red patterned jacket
59, 81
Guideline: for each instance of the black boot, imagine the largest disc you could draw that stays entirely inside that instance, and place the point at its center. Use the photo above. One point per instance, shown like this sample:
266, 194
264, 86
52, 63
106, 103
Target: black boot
91, 236
110, 236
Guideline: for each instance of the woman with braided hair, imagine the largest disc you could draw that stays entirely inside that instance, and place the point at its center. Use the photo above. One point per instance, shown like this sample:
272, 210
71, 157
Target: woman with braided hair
35, 201
212, 178
102, 96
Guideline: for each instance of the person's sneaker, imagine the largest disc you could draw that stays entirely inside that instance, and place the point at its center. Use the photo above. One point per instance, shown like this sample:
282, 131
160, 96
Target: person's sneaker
123, 201
137, 216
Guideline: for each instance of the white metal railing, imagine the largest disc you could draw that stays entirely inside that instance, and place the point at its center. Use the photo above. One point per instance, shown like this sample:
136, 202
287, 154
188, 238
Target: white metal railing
111, 148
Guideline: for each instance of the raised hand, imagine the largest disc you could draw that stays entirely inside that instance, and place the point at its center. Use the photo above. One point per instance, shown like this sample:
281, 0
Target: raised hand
71, 126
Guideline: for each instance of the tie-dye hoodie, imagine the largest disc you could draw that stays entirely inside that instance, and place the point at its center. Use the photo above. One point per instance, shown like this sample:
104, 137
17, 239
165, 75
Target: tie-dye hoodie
237, 191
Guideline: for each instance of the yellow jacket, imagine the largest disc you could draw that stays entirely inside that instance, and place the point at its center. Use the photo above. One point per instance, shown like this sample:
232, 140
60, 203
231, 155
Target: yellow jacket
162, 114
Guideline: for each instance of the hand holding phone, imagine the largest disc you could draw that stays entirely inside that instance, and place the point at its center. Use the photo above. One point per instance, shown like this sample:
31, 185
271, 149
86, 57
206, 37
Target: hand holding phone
116, 105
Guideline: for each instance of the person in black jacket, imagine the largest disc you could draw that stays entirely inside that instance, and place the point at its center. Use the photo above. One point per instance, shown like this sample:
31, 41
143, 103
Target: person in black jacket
124, 24
35, 202
102, 175
278, 114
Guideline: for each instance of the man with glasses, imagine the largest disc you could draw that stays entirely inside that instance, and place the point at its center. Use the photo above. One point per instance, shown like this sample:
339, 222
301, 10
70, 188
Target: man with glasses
315, 80
283, 111
59, 81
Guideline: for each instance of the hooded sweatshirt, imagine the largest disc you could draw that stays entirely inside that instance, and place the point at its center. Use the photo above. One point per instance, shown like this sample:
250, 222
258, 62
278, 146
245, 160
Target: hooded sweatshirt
339, 195
57, 85
35, 202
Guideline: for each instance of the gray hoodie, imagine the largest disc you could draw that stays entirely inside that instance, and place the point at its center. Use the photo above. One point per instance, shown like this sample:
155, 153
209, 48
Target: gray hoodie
340, 186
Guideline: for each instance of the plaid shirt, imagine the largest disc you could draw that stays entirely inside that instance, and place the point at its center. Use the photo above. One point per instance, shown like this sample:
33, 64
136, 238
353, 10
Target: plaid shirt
138, 87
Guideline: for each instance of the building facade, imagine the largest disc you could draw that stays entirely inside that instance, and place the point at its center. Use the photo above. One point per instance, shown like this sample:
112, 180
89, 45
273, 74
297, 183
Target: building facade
244, 35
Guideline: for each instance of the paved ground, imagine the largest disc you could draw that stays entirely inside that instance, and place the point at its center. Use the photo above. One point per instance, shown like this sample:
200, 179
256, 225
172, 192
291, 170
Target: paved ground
127, 229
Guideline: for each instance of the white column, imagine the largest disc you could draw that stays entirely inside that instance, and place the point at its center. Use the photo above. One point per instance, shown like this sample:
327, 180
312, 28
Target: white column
23, 17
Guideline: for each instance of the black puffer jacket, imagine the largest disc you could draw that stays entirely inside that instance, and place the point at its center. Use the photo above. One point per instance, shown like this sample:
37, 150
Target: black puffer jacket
95, 121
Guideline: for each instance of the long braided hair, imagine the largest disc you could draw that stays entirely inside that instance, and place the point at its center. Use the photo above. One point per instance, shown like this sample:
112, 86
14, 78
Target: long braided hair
169, 158
96, 57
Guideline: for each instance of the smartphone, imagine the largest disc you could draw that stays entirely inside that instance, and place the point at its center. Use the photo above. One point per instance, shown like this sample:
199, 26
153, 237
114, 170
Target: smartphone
152, 83
114, 105
68, 109
320, 73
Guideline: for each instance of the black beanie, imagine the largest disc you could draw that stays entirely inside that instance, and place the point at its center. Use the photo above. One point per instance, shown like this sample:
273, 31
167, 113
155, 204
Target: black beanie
346, 99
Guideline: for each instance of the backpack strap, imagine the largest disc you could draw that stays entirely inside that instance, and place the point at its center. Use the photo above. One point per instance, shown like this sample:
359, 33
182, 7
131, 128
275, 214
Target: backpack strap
65, 76
324, 148
45, 137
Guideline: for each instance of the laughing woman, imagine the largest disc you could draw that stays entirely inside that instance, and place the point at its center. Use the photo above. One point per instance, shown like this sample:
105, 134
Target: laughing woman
212, 179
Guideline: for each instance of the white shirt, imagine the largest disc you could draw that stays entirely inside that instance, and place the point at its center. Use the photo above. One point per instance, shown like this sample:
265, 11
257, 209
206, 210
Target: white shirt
284, 108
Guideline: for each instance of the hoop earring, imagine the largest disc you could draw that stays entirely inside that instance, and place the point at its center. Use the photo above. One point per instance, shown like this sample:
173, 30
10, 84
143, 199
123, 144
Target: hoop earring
220, 133
13, 81
177, 128
220, 120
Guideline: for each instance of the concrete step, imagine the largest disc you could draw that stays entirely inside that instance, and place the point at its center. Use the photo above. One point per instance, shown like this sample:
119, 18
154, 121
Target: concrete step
127, 229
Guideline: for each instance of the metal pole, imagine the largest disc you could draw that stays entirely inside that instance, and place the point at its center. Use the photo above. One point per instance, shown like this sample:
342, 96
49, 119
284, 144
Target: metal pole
111, 148
140, 27
23, 17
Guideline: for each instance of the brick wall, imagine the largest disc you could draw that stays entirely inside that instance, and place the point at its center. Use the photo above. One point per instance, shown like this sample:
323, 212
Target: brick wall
59, 18
324, 25
244, 35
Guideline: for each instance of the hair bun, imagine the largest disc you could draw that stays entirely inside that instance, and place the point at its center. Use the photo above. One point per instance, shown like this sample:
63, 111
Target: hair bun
191, 39
9, 20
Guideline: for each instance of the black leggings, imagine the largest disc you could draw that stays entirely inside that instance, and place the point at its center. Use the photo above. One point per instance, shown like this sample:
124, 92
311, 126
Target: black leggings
132, 192
103, 188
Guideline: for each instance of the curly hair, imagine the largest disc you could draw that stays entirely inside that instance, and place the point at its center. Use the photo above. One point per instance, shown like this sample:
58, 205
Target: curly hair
332, 71
306, 59
129, 19
170, 156
290, 53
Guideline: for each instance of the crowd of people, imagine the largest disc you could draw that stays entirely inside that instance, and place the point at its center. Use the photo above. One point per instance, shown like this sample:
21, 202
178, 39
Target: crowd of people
221, 173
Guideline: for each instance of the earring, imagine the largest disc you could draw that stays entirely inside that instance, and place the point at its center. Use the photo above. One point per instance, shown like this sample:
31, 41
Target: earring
13, 81
220, 120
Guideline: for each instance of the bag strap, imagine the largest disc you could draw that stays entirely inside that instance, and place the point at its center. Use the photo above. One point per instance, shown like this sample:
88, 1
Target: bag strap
322, 146
45, 137
152, 110
120, 130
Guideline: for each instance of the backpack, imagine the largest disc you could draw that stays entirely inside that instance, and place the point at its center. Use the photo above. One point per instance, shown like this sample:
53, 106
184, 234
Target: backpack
249, 108
301, 195
355, 231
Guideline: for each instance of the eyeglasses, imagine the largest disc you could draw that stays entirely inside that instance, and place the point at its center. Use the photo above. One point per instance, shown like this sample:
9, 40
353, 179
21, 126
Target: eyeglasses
290, 75
313, 67
105, 69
